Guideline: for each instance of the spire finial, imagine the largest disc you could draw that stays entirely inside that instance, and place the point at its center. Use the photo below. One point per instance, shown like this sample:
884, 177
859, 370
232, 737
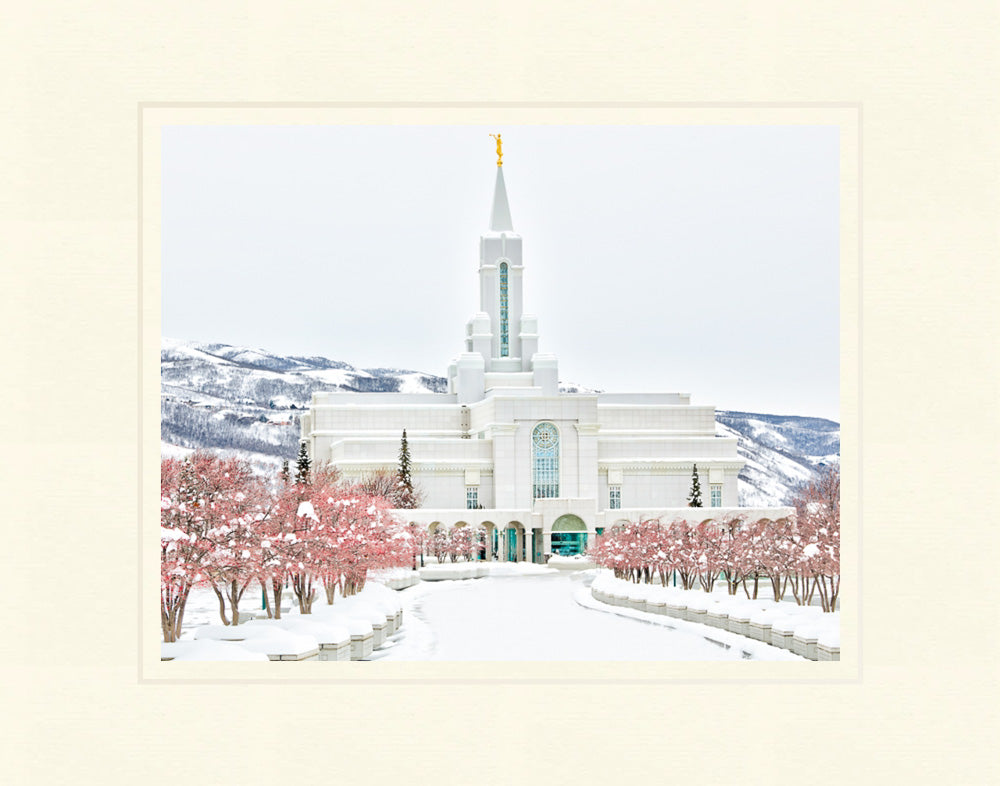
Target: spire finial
499, 150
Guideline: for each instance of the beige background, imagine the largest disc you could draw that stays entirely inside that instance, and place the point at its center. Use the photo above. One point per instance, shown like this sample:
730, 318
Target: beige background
73, 76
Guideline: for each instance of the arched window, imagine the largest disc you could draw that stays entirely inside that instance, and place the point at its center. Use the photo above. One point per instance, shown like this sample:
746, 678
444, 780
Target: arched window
504, 332
545, 461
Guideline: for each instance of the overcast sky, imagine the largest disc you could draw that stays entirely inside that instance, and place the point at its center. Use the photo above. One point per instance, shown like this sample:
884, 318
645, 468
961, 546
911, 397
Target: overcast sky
657, 258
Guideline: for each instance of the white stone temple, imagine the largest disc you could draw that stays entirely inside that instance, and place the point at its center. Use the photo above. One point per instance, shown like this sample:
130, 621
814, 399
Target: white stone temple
543, 471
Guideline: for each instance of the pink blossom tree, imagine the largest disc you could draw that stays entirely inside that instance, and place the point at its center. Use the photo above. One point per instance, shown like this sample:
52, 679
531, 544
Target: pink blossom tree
238, 515
418, 539
194, 502
817, 513
685, 552
733, 557
312, 554
279, 545
439, 543
466, 541
709, 538
777, 551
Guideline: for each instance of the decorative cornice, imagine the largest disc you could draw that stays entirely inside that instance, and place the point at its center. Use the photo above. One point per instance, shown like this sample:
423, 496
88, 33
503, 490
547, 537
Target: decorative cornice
668, 465
427, 467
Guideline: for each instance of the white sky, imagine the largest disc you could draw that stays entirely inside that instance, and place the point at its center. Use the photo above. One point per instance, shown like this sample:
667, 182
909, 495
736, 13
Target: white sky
657, 258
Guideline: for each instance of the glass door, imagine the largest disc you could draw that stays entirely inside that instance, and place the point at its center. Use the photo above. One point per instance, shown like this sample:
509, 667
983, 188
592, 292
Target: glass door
569, 544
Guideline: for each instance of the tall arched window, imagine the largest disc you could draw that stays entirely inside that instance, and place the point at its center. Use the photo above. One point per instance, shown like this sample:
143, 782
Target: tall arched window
545, 461
504, 332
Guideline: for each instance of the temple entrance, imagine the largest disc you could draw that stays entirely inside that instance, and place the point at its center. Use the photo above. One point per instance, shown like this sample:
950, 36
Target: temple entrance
512, 545
569, 536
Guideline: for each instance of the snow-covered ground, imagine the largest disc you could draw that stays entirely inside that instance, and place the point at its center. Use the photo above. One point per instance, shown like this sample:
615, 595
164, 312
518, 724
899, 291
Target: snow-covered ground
522, 612
542, 616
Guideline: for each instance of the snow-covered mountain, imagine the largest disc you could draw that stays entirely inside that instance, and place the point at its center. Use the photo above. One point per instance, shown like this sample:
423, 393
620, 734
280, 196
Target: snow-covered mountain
781, 451
248, 400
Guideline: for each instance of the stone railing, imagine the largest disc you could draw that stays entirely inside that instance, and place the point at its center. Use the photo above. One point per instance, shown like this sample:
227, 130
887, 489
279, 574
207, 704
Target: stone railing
804, 630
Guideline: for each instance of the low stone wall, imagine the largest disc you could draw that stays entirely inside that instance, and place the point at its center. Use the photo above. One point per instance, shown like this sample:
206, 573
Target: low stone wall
351, 629
452, 571
806, 631
402, 582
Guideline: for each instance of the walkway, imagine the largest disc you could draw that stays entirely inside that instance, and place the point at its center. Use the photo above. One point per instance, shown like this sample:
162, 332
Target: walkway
530, 618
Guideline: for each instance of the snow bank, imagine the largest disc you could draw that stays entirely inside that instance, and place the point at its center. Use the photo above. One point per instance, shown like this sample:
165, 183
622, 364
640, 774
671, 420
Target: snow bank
394, 578
270, 640
356, 626
207, 650
577, 562
800, 629
322, 630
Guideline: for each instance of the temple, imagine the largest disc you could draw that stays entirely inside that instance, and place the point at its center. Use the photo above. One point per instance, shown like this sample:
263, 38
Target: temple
542, 470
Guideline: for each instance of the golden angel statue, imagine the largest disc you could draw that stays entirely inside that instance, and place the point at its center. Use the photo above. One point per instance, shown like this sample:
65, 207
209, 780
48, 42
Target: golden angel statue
499, 151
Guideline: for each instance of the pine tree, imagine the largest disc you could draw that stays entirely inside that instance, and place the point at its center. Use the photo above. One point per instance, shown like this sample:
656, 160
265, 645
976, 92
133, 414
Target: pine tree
694, 498
403, 473
303, 465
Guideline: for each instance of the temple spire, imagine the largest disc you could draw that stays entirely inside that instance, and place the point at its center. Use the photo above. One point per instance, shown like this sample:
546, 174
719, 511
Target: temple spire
500, 215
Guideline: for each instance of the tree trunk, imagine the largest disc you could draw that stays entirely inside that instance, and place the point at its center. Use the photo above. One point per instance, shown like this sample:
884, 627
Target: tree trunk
166, 620
276, 589
776, 587
810, 589
302, 584
330, 585
179, 614
264, 598
222, 604
235, 592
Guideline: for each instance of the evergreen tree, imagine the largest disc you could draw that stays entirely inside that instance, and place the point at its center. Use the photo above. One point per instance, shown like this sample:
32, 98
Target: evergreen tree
403, 474
285, 474
303, 465
694, 498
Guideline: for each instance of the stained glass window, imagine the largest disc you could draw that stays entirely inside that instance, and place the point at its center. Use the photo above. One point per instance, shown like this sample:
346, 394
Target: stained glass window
472, 497
716, 491
616, 497
545, 461
504, 333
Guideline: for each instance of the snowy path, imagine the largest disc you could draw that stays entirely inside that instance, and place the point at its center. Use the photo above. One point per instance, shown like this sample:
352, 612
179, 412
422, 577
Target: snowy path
530, 618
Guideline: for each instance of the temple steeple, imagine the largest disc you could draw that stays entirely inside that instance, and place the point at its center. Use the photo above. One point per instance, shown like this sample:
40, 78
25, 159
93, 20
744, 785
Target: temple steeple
500, 215
501, 342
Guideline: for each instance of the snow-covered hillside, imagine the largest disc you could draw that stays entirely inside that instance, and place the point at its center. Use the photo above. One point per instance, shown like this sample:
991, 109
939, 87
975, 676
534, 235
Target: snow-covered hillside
781, 452
249, 401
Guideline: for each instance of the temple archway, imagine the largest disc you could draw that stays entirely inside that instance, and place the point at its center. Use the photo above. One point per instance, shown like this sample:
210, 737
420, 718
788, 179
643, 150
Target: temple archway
569, 535
490, 545
515, 541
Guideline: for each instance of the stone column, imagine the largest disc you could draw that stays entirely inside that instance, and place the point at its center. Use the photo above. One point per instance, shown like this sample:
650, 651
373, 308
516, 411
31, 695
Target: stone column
529, 542
546, 542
